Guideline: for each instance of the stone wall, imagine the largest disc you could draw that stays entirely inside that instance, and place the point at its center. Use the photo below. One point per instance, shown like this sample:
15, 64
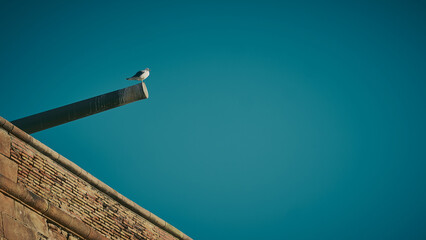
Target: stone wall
40, 198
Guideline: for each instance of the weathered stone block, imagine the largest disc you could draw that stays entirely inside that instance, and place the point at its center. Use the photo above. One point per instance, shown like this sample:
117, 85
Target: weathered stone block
1, 227
71, 237
7, 205
15, 230
4, 143
31, 218
56, 233
8, 168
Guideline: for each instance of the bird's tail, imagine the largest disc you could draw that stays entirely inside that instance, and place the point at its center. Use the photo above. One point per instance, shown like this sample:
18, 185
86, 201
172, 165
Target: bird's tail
129, 79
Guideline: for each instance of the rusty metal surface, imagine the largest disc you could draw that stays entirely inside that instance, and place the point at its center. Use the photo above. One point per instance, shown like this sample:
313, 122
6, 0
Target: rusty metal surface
81, 109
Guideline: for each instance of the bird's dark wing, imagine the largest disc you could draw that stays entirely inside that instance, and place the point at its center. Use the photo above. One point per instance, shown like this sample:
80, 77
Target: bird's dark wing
138, 74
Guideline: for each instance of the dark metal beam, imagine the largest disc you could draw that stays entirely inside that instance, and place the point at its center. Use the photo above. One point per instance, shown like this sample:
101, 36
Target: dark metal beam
74, 111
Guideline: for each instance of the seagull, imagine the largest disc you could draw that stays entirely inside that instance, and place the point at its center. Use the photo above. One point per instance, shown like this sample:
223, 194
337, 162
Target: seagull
141, 75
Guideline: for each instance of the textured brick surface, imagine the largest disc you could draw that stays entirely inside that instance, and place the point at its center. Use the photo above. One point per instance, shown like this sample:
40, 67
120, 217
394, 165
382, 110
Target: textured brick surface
8, 168
44, 177
4, 143
20, 222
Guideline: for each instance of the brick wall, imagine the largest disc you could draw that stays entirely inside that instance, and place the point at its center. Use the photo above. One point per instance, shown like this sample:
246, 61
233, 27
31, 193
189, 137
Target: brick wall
49, 180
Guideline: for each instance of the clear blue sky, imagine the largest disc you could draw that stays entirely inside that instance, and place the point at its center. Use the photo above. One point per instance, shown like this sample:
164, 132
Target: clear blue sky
266, 120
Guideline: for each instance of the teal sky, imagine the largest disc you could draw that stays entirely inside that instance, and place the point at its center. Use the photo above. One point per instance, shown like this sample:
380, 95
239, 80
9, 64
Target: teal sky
266, 120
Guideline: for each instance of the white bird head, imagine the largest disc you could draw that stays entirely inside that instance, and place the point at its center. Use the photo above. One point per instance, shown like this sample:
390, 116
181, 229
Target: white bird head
147, 69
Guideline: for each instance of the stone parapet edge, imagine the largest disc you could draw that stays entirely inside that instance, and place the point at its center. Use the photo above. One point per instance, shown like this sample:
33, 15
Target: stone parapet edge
79, 172
48, 210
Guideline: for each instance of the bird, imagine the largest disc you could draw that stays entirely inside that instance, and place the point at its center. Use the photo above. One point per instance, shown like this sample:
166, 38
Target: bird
141, 75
